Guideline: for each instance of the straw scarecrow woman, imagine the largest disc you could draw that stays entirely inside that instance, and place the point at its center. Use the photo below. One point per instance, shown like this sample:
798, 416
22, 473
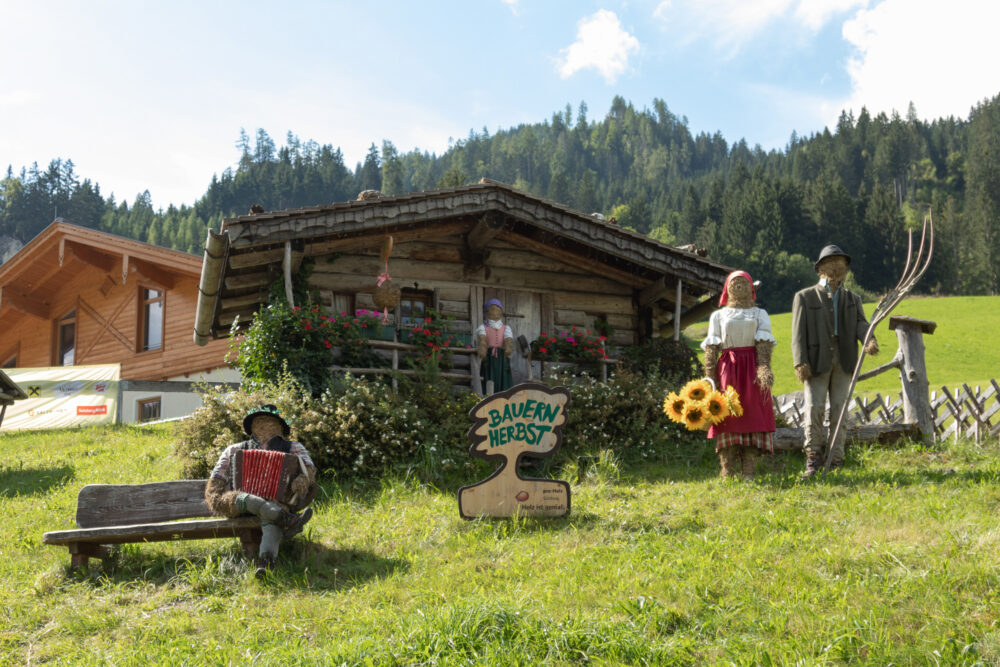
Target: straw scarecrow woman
738, 355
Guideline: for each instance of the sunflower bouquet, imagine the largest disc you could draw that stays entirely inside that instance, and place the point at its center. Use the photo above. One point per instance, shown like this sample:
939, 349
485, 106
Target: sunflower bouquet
699, 405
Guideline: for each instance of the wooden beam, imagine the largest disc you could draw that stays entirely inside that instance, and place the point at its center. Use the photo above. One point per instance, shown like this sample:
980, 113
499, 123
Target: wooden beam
372, 241
88, 255
573, 259
656, 290
24, 303
699, 312
153, 273
246, 281
484, 231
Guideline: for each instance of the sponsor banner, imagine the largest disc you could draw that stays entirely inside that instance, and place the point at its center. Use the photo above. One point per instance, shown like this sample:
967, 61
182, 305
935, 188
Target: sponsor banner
63, 396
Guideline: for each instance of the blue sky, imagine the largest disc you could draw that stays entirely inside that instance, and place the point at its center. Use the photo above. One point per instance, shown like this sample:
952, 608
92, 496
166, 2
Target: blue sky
144, 95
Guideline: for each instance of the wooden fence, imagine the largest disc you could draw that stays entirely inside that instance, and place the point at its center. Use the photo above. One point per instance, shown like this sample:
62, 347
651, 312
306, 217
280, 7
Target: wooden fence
972, 412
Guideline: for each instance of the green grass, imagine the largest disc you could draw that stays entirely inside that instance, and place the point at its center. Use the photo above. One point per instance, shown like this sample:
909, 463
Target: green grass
896, 559
960, 349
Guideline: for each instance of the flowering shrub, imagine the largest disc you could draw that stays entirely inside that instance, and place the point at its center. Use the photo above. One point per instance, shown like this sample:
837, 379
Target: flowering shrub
432, 336
356, 427
623, 415
573, 345
303, 340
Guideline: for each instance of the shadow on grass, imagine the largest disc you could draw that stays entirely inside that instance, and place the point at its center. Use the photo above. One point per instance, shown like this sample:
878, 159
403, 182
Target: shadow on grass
307, 564
32, 481
301, 564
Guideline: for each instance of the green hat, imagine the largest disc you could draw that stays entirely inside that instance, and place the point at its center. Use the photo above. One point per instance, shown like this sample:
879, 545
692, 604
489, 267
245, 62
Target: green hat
267, 410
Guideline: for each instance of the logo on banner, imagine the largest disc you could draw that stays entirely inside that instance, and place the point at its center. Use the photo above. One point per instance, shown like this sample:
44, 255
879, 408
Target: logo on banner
68, 389
91, 410
100, 387
34, 391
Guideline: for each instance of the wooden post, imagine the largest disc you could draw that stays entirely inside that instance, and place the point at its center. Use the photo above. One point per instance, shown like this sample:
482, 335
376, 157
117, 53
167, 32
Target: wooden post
913, 371
288, 274
395, 351
677, 311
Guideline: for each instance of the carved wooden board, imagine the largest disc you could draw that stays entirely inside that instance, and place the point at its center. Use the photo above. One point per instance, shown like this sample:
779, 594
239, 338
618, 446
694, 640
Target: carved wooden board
525, 420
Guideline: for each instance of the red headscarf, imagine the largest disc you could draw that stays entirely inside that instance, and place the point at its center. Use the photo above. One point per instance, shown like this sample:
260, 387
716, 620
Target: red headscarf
725, 289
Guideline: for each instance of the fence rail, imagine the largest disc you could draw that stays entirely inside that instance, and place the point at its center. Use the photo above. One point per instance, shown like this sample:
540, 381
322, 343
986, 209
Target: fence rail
963, 411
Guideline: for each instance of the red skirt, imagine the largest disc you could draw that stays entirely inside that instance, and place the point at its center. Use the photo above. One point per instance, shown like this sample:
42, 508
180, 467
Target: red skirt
737, 368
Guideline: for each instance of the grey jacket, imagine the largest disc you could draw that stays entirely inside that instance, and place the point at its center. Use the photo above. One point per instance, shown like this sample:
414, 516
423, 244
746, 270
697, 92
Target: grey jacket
812, 328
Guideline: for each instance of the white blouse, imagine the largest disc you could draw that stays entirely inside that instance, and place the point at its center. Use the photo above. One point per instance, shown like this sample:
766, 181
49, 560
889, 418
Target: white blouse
738, 327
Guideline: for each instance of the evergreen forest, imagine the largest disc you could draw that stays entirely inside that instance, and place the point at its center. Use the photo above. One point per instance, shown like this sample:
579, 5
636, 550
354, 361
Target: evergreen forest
861, 184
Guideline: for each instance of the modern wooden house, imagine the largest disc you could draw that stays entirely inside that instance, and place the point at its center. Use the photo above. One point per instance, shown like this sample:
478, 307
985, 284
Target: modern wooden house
455, 249
78, 296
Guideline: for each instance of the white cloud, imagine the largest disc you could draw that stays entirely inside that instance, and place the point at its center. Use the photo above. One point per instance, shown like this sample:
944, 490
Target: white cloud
601, 44
915, 50
732, 23
514, 6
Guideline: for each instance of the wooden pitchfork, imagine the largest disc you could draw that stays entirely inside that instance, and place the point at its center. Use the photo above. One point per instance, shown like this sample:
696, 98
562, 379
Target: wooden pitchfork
915, 268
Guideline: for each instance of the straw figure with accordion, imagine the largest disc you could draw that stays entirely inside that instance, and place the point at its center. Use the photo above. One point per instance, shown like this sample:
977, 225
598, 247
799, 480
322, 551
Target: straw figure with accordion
267, 476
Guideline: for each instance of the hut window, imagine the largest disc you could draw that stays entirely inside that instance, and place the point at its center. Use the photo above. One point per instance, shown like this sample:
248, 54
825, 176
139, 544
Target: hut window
413, 306
66, 339
337, 302
148, 409
152, 318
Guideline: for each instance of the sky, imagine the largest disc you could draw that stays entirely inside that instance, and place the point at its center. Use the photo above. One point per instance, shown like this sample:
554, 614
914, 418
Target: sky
152, 95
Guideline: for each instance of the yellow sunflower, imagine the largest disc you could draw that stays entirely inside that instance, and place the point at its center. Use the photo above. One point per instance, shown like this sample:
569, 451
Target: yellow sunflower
695, 391
733, 399
716, 407
673, 407
695, 417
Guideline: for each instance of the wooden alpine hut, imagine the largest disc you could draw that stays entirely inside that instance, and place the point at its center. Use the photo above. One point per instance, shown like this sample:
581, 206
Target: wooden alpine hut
454, 249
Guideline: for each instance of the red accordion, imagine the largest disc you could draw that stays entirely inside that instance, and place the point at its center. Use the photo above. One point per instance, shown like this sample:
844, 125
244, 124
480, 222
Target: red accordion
265, 473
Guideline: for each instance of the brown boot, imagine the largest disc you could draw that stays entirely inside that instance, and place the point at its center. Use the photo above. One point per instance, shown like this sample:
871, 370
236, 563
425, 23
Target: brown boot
813, 464
729, 459
749, 462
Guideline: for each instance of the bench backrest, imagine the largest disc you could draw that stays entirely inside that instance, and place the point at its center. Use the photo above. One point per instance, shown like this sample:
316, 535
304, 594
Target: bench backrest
100, 505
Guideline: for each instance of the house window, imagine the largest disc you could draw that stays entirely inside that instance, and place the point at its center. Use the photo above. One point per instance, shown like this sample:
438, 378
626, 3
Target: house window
152, 319
148, 409
413, 306
66, 340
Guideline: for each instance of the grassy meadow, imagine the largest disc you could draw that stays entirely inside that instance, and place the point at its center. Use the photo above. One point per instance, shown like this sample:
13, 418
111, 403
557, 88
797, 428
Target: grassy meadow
895, 559
958, 351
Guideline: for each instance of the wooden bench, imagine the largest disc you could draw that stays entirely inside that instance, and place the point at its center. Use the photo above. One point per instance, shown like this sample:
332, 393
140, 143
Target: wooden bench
122, 513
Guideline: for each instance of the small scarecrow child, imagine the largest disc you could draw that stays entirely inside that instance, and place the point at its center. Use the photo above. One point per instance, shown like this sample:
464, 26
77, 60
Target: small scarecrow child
495, 345
738, 355
828, 322
279, 520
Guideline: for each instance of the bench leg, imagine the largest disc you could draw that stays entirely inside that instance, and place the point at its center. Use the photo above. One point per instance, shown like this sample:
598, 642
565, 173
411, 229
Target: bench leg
250, 541
81, 552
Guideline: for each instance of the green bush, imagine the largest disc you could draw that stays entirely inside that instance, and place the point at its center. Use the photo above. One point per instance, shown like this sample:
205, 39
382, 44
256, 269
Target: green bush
675, 362
623, 415
358, 427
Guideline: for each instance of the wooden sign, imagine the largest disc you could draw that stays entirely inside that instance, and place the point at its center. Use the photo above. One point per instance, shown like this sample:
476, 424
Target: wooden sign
525, 420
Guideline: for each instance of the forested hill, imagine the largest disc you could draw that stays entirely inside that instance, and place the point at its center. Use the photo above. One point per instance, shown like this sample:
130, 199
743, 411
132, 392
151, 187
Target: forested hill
860, 185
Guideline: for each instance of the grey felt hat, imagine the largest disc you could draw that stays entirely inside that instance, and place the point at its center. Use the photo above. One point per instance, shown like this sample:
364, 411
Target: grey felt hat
831, 251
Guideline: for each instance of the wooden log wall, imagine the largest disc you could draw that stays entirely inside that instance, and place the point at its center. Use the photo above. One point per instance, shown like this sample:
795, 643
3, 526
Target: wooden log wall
568, 296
